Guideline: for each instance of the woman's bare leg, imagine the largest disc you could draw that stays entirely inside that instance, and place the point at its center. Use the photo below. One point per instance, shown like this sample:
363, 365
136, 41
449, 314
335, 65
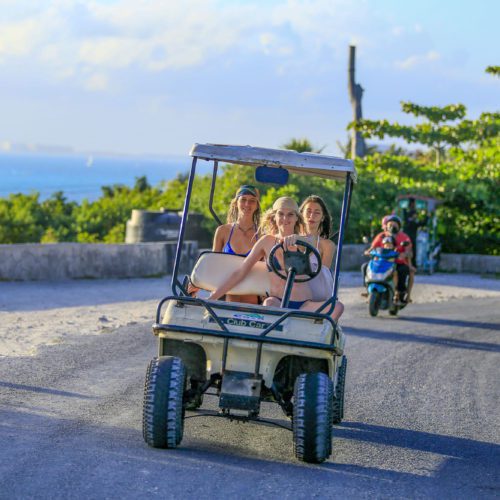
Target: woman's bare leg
272, 302
312, 306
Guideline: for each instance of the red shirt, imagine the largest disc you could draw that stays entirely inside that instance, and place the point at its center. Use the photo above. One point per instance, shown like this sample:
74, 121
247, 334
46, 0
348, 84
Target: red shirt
400, 237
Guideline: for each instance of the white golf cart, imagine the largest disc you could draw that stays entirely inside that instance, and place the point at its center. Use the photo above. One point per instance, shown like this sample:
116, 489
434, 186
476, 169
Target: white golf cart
250, 353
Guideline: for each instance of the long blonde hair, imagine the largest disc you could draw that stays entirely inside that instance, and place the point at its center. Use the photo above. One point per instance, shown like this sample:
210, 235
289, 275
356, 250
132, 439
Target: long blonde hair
268, 223
233, 212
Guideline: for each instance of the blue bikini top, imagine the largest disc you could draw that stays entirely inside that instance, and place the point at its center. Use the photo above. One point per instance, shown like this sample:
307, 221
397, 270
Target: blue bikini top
229, 249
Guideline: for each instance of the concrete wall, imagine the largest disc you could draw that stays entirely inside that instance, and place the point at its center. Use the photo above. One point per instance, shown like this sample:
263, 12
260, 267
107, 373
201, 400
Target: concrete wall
470, 263
63, 261
352, 258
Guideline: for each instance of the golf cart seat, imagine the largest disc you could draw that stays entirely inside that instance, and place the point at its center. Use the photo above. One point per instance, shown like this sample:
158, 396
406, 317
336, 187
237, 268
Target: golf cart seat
187, 324
213, 268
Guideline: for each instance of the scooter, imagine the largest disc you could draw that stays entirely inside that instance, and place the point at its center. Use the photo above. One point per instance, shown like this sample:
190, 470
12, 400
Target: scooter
379, 282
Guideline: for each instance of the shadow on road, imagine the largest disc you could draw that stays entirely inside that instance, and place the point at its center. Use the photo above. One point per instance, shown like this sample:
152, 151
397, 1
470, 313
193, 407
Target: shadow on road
63, 448
418, 338
44, 390
449, 446
452, 322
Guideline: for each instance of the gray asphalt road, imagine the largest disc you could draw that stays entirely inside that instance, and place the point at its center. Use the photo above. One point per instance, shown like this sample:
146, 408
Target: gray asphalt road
422, 419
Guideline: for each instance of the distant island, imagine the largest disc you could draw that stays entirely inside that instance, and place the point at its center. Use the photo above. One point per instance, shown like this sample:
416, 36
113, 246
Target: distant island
7, 146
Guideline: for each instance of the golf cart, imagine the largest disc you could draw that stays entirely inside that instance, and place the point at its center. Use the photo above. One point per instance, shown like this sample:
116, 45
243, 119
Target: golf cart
428, 246
250, 353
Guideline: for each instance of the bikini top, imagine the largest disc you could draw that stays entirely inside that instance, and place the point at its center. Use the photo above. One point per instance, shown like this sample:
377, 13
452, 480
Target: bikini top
229, 249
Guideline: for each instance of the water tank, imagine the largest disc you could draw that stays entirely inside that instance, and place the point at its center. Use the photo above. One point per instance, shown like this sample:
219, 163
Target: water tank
164, 225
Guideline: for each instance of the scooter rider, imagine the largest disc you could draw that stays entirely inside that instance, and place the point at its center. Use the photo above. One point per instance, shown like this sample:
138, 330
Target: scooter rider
392, 227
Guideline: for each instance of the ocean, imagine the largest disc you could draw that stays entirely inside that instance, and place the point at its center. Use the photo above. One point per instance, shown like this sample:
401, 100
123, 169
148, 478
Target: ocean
81, 176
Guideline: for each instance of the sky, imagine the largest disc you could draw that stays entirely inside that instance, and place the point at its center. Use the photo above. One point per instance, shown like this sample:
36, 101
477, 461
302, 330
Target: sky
155, 76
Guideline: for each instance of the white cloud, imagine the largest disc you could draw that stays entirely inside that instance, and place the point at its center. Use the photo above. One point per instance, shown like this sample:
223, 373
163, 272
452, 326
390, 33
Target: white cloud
418, 60
161, 34
19, 38
97, 83
71, 40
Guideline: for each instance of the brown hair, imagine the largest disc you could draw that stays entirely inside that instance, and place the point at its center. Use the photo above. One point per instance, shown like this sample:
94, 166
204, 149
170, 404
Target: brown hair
325, 227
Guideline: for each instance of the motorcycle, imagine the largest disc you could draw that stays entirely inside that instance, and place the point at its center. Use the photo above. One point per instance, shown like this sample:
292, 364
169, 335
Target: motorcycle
379, 282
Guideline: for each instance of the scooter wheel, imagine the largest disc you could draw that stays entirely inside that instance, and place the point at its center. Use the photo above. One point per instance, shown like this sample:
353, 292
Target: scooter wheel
374, 303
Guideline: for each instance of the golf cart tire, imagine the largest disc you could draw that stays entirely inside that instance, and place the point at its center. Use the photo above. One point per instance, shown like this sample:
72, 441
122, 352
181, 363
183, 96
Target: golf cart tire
312, 417
374, 303
162, 411
339, 394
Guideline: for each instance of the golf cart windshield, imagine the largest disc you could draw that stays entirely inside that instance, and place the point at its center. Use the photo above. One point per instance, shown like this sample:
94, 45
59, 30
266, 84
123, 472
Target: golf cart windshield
273, 165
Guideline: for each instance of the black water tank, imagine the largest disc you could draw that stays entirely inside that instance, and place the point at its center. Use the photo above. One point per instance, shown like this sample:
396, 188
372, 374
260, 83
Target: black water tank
164, 225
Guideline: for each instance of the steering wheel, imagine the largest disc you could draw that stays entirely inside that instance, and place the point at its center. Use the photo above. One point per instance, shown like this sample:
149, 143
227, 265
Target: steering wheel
298, 260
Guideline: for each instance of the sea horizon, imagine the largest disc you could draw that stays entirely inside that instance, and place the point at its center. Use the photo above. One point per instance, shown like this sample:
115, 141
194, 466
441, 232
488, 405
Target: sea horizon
82, 175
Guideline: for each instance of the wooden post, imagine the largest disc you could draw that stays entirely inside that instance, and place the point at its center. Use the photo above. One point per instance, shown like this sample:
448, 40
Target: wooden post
358, 146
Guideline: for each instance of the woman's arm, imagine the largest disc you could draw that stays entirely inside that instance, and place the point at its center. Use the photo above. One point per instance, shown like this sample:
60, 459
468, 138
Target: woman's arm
253, 257
219, 239
327, 249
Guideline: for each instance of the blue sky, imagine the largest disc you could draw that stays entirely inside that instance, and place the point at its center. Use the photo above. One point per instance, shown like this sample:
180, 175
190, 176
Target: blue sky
154, 76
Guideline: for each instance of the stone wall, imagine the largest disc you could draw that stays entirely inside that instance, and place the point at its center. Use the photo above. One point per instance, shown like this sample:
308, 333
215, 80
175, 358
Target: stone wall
62, 261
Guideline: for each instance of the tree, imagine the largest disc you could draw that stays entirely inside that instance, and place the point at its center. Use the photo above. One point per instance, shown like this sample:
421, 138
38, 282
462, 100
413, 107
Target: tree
433, 133
358, 146
493, 70
301, 146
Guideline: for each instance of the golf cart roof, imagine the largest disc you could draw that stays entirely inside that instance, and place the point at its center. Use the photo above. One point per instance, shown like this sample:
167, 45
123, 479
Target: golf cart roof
330, 167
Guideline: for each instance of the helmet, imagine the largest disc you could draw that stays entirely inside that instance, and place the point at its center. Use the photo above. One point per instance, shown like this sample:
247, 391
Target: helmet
393, 218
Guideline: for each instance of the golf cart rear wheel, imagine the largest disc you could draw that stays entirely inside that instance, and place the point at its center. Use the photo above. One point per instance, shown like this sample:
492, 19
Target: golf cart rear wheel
339, 394
374, 303
312, 417
162, 411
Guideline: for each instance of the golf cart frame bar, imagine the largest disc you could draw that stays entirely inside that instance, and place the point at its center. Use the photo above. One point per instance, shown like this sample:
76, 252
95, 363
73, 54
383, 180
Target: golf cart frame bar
302, 163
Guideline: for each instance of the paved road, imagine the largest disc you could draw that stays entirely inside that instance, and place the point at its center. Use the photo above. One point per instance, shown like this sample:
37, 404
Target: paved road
422, 419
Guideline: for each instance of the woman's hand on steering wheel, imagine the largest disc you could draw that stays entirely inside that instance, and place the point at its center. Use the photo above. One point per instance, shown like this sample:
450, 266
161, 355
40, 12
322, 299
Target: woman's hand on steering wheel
289, 241
301, 259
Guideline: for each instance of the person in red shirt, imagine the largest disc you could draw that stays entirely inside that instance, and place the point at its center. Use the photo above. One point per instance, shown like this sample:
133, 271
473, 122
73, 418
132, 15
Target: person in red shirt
392, 227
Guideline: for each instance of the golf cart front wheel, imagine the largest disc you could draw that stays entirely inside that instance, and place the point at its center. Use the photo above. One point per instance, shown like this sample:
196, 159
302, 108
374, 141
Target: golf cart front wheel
312, 417
163, 411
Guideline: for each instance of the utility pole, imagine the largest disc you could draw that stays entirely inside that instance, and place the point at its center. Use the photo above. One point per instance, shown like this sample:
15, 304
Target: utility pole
358, 146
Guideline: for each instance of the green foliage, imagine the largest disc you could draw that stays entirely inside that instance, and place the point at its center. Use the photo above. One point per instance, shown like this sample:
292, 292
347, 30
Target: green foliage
435, 114
301, 146
465, 177
435, 132
21, 219
493, 70
466, 180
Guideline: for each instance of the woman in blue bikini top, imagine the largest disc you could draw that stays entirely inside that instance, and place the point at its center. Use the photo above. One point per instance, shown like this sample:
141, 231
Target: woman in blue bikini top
240, 234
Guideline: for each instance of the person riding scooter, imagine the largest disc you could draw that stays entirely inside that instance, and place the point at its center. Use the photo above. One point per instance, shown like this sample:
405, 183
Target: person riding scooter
392, 227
